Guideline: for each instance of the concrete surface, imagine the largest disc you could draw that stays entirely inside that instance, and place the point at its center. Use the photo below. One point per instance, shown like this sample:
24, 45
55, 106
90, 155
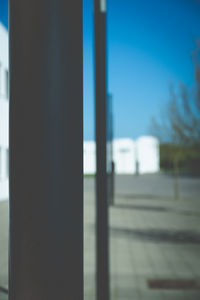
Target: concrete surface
152, 236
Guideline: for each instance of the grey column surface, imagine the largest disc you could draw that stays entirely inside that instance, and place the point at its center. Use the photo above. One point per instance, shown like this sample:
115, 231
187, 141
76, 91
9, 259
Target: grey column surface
46, 192
102, 257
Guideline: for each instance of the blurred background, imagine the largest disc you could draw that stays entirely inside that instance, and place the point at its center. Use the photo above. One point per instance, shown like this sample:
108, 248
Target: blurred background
153, 69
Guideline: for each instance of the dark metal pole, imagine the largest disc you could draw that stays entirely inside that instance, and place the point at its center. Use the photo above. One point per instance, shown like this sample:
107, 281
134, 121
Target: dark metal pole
102, 259
46, 193
110, 162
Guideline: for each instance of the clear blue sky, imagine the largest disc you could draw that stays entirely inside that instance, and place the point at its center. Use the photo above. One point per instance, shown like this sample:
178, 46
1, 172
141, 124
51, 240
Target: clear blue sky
149, 46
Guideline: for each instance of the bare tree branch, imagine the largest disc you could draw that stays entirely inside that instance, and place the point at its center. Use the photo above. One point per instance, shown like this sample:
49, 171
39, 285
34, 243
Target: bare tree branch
181, 124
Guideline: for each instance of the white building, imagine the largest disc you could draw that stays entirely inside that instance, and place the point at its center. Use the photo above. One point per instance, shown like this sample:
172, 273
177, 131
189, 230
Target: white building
4, 112
130, 157
89, 157
124, 156
147, 154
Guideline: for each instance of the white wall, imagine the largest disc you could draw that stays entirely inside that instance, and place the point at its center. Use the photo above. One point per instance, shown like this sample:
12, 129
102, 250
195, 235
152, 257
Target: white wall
124, 156
89, 157
127, 153
147, 154
4, 112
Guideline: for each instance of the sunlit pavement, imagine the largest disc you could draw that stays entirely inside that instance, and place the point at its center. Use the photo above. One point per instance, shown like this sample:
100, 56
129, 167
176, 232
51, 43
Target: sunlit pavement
3, 249
152, 236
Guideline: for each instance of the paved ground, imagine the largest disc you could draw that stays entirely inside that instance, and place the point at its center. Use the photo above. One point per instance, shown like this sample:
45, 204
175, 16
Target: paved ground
3, 248
152, 236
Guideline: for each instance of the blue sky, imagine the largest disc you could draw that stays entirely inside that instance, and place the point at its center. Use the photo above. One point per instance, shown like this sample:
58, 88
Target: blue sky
149, 46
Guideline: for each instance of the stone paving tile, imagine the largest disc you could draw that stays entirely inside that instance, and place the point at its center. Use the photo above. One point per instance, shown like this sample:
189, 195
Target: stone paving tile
3, 296
179, 295
192, 295
3, 247
158, 260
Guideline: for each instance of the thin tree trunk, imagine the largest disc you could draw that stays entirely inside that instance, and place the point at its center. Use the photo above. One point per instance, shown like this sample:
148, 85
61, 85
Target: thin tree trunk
176, 181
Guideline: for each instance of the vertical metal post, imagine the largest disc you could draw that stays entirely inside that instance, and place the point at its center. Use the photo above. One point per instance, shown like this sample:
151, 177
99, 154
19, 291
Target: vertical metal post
102, 258
109, 147
46, 193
